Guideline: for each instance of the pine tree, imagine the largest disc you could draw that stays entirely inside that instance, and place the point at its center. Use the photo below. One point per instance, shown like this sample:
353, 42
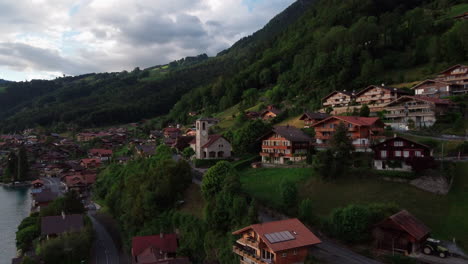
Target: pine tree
23, 165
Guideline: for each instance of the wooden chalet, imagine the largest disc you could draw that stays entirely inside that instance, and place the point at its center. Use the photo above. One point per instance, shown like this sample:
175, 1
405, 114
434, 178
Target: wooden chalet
377, 95
90, 163
338, 99
438, 89
52, 226
399, 153
155, 249
363, 131
280, 242
270, 113
145, 150
462, 16
311, 118
401, 232
102, 154
455, 74
417, 111
285, 144
172, 132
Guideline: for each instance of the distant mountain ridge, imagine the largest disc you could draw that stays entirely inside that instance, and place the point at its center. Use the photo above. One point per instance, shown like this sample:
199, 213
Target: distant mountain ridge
310, 49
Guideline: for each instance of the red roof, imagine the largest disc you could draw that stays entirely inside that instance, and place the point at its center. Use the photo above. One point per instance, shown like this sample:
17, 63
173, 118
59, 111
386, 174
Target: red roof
167, 243
171, 130
356, 120
104, 152
37, 182
303, 237
89, 161
408, 223
211, 139
80, 179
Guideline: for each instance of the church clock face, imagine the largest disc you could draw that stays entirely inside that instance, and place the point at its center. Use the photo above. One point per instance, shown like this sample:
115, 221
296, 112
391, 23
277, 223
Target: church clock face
203, 133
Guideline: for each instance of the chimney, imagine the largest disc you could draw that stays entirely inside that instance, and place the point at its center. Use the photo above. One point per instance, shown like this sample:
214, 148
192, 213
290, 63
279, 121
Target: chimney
161, 235
395, 135
63, 215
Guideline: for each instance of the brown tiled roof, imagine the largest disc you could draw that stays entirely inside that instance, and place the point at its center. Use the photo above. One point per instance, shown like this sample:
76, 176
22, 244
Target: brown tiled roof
410, 224
334, 92
45, 196
303, 237
356, 120
393, 89
403, 139
291, 133
453, 67
59, 224
167, 243
314, 115
101, 152
211, 139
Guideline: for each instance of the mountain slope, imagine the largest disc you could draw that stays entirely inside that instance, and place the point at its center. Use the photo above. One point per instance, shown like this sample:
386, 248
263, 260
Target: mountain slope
109, 98
310, 49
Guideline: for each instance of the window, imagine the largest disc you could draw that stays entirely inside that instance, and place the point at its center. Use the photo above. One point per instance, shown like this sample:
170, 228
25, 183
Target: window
350, 125
406, 153
284, 255
398, 144
204, 126
295, 252
397, 153
417, 153
383, 153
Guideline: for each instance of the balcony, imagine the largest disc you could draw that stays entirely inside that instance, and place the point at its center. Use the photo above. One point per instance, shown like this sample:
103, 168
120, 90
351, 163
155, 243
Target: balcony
251, 242
414, 114
245, 253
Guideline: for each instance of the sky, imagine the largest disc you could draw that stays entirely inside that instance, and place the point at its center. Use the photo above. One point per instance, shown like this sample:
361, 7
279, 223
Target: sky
43, 39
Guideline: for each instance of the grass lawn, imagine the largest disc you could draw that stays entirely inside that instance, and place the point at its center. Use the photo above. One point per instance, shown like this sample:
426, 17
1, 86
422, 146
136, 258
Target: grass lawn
264, 184
292, 121
446, 215
457, 10
2, 89
194, 202
225, 118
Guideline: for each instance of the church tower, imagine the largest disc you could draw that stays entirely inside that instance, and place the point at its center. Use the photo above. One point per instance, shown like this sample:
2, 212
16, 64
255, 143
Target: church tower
201, 137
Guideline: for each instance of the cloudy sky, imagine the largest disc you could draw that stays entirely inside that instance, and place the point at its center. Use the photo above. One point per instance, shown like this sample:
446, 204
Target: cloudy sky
48, 38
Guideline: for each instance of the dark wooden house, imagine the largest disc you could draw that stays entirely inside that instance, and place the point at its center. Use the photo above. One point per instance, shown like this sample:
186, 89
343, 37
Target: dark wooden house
401, 232
310, 118
399, 153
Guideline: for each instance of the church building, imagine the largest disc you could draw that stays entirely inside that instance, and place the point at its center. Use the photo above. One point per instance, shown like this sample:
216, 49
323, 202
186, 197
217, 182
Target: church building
209, 146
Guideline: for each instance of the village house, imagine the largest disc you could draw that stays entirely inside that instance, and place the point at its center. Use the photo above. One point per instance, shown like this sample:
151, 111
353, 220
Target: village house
145, 150
402, 154
270, 113
209, 146
37, 184
378, 95
171, 132
79, 182
462, 16
90, 163
183, 142
338, 99
455, 74
438, 89
102, 154
280, 242
310, 118
285, 144
410, 112
88, 136
363, 131
191, 132
401, 232
52, 226
42, 199
160, 248
252, 115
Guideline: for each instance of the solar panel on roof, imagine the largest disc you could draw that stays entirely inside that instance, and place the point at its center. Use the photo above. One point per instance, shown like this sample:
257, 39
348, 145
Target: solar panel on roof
279, 237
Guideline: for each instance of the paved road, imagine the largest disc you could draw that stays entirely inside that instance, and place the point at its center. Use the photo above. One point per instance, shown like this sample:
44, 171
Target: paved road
104, 249
442, 137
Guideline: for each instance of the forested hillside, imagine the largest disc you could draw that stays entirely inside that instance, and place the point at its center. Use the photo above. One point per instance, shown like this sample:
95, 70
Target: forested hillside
310, 49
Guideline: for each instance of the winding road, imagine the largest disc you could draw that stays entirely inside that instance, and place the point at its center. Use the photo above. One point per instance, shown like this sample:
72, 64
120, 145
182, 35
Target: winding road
104, 249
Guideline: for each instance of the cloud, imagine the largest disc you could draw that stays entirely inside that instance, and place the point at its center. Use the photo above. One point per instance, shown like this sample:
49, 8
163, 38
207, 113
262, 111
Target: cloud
76, 37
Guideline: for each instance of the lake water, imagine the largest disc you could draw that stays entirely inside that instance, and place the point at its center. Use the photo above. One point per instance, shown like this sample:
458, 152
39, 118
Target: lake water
14, 206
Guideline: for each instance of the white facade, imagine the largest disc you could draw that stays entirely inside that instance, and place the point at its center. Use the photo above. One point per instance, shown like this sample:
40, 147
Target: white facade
218, 147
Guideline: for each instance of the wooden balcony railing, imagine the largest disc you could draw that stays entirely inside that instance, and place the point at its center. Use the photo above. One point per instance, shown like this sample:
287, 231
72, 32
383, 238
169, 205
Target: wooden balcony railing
244, 253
